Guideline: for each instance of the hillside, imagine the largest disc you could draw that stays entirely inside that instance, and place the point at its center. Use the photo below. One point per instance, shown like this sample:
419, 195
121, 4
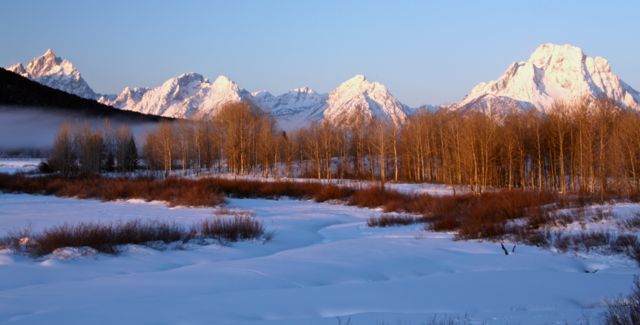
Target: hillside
16, 90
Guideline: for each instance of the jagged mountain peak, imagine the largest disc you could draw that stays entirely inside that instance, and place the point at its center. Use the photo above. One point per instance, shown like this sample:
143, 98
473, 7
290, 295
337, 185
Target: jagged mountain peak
262, 95
18, 68
552, 73
546, 52
191, 76
549, 55
223, 81
358, 82
357, 79
293, 109
304, 90
49, 63
188, 95
358, 98
55, 72
185, 79
129, 96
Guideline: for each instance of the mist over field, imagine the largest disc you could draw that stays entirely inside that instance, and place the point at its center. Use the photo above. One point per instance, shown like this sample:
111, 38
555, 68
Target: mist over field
35, 128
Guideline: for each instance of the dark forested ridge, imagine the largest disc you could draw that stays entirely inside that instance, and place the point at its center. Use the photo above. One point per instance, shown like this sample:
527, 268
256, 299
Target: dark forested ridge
16, 90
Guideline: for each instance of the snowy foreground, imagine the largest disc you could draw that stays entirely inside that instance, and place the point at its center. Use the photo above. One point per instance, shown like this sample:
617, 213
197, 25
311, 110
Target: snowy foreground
323, 266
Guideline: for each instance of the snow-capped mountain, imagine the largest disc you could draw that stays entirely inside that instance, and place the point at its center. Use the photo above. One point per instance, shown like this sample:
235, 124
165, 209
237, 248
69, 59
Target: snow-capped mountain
189, 95
358, 97
55, 72
127, 98
353, 99
552, 73
294, 109
192, 96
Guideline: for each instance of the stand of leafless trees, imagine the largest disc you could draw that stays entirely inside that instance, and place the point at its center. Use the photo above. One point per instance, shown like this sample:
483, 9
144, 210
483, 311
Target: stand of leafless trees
83, 150
585, 147
241, 139
588, 147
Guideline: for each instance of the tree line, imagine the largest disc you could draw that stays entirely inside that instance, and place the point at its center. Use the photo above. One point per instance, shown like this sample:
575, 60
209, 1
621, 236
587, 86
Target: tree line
588, 146
84, 150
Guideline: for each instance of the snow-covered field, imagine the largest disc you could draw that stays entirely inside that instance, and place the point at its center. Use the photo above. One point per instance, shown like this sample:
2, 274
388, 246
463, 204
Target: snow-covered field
323, 266
11, 165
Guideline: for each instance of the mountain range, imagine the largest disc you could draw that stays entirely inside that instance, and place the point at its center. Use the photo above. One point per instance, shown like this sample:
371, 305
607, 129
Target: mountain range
552, 72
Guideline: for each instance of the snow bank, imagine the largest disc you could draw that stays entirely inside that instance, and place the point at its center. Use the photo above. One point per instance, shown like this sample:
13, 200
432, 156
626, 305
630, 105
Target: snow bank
12, 166
322, 263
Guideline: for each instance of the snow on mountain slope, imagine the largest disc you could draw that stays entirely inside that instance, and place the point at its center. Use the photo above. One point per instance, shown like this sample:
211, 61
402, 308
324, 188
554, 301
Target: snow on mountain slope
360, 97
128, 97
189, 95
294, 109
552, 72
496, 105
55, 72
354, 98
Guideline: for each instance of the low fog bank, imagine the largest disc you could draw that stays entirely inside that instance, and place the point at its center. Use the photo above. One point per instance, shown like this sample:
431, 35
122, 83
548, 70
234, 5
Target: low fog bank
29, 131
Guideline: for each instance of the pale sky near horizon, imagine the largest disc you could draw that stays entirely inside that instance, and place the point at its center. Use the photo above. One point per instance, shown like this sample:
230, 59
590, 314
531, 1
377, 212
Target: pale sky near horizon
426, 52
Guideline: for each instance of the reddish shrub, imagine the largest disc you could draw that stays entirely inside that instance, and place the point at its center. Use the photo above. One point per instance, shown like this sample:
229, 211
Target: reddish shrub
374, 197
106, 237
388, 220
101, 237
537, 217
447, 213
240, 227
331, 192
173, 191
486, 215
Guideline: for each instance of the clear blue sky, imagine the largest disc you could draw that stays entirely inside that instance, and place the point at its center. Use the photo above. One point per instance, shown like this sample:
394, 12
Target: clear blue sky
424, 51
